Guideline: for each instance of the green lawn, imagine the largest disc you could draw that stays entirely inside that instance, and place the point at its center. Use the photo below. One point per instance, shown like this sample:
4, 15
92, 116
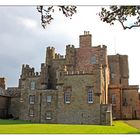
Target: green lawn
22, 127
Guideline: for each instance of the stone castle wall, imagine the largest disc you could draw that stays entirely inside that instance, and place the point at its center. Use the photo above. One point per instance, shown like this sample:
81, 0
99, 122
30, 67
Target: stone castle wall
79, 111
4, 106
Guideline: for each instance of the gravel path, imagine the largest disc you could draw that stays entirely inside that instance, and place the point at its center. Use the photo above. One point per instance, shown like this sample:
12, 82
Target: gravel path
134, 123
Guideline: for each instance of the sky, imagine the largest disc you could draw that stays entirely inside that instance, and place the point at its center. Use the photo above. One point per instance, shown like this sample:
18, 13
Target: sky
24, 41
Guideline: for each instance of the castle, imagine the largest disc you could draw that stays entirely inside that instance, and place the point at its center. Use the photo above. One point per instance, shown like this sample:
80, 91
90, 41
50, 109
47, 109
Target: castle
87, 86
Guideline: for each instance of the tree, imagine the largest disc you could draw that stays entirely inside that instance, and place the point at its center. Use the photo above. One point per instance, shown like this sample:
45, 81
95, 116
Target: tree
46, 13
128, 16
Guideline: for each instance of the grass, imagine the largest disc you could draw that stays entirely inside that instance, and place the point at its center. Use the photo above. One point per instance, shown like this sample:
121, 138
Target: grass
23, 127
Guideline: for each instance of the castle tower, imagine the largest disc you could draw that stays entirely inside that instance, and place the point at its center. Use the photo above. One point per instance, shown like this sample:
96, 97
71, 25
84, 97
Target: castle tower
50, 55
85, 40
70, 57
2, 83
44, 76
119, 71
26, 72
124, 70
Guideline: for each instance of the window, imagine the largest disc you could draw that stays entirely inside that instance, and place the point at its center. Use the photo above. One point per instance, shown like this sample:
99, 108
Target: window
48, 115
49, 98
31, 112
93, 60
90, 95
113, 99
111, 68
67, 97
67, 94
32, 85
113, 75
124, 102
32, 99
1, 91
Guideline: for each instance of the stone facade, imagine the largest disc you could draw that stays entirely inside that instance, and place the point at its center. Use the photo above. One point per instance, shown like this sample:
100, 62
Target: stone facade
71, 89
4, 106
86, 86
123, 97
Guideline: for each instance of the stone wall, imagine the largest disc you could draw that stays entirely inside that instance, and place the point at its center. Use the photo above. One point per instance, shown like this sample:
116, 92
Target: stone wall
115, 98
79, 111
119, 71
130, 99
80, 69
14, 107
106, 114
49, 107
86, 58
4, 106
85, 40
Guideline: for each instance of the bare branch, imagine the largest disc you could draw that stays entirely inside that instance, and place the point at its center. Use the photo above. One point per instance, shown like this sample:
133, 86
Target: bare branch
46, 14
121, 14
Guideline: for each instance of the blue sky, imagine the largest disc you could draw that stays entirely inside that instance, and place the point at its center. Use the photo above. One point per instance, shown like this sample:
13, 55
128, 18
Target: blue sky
24, 41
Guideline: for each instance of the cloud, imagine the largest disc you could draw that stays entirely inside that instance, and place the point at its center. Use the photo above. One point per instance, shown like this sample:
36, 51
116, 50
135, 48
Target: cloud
29, 23
23, 40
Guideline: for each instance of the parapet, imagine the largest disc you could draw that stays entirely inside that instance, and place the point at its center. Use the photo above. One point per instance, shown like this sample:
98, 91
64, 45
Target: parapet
28, 71
103, 47
58, 56
69, 46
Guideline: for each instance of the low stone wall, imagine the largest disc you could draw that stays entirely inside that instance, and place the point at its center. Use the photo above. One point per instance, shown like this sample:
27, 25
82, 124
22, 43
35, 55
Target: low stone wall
106, 114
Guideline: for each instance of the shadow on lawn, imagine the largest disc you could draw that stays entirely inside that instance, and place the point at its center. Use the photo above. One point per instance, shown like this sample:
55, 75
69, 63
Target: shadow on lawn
10, 122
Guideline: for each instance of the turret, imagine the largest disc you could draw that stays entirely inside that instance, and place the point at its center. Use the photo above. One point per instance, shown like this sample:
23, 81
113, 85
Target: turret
119, 71
27, 71
50, 55
2, 82
70, 55
44, 76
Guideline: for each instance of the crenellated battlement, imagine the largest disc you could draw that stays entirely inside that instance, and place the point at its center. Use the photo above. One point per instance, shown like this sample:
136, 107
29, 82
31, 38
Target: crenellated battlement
28, 71
70, 55
70, 46
104, 47
58, 56
95, 67
50, 54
